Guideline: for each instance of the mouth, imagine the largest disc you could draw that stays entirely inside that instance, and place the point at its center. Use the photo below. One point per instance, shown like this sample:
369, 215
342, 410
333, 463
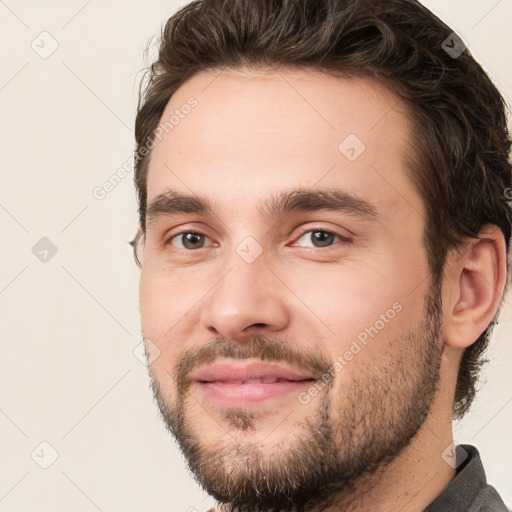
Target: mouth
229, 385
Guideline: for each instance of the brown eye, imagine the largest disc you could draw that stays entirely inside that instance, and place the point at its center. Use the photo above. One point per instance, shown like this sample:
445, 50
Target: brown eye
190, 240
320, 238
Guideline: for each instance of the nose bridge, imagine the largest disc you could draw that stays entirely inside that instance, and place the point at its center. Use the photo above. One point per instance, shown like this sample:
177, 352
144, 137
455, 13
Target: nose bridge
245, 278
245, 265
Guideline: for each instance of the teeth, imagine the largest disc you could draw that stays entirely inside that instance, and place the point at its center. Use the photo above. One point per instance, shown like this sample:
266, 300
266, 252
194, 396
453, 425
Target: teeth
264, 380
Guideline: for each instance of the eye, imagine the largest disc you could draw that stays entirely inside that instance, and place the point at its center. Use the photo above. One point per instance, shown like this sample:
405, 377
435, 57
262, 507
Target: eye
321, 237
189, 240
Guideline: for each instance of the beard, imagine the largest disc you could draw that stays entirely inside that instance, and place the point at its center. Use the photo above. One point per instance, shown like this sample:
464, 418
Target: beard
349, 438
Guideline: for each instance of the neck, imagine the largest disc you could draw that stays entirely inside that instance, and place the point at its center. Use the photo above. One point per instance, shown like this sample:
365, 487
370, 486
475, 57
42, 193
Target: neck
409, 483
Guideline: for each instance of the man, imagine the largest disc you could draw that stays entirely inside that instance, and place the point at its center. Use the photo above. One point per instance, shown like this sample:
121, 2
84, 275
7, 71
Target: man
323, 240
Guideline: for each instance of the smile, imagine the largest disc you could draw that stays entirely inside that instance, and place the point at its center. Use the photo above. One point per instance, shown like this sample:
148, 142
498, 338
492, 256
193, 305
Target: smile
229, 385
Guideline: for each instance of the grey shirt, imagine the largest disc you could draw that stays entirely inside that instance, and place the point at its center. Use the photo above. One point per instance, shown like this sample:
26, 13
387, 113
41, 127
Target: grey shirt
469, 490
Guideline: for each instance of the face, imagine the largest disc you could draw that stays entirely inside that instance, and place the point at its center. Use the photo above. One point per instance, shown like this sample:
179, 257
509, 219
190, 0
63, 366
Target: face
291, 325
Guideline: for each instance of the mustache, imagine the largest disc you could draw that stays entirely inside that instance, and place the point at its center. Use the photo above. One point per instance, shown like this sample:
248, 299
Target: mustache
257, 347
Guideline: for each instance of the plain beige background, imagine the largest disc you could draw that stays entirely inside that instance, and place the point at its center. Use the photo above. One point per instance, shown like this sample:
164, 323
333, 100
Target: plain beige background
74, 396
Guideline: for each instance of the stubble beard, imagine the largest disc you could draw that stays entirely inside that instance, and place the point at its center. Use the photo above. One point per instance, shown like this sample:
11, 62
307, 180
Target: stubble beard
333, 451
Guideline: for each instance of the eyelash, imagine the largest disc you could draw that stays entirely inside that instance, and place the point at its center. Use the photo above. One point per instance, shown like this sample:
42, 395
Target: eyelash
305, 230
302, 232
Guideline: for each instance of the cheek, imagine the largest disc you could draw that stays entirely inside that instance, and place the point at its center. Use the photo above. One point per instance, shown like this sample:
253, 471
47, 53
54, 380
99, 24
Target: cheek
345, 296
157, 318
358, 302
158, 302
168, 310
150, 296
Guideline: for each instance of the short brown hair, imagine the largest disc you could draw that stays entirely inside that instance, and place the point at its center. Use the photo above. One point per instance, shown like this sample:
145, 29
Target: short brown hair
460, 147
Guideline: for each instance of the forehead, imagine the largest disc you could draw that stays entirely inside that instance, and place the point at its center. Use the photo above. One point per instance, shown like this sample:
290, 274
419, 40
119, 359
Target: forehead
269, 130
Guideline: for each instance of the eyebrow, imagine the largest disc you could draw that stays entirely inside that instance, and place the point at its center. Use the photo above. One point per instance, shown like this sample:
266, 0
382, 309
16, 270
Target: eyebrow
299, 199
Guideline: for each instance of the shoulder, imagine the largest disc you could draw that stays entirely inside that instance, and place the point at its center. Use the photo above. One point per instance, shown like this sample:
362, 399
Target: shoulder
469, 490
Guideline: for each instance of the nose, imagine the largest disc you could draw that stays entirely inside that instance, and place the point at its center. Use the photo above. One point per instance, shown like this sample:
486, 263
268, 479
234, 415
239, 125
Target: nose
247, 299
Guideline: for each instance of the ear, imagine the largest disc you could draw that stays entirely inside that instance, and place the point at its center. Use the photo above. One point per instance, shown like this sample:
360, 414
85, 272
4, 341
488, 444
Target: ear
475, 279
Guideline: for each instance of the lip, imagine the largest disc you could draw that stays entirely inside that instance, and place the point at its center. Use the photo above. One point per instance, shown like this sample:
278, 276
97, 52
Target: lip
225, 372
230, 385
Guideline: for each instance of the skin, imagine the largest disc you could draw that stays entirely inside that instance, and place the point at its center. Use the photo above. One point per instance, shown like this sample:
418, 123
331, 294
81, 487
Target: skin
257, 133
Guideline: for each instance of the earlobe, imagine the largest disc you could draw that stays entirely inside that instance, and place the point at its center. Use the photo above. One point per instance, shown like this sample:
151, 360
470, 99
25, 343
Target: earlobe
477, 280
